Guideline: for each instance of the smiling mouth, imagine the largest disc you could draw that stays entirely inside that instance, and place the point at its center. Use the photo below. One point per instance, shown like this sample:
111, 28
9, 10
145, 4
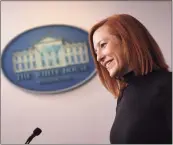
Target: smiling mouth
108, 64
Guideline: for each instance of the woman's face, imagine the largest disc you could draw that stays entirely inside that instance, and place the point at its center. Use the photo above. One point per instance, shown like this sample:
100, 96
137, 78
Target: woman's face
109, 52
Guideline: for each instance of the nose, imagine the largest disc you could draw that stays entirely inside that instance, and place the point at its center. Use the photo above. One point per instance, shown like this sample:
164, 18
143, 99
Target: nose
100, 56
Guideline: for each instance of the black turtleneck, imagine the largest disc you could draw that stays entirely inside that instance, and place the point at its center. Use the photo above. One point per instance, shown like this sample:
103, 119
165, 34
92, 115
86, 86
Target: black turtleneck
144, 111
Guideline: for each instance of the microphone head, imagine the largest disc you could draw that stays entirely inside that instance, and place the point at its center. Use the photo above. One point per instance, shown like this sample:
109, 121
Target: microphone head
37, 131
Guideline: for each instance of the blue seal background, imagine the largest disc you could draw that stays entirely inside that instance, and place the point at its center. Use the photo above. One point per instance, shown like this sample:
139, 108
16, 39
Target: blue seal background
32, 36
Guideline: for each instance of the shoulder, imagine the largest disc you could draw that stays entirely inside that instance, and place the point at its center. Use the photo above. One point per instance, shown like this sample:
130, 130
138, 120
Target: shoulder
162, 80
163, 76
145, 89
152, 80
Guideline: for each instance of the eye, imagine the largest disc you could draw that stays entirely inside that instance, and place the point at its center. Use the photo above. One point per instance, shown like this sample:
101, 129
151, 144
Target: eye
103, 45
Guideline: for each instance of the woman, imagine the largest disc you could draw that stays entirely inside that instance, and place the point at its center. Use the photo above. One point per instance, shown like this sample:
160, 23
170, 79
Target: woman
131, 66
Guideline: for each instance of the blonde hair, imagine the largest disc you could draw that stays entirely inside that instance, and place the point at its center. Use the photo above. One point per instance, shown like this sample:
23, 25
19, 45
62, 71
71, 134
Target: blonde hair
142, 51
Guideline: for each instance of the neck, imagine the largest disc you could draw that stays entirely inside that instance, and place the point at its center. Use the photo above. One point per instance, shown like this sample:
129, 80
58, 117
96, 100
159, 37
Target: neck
125, 72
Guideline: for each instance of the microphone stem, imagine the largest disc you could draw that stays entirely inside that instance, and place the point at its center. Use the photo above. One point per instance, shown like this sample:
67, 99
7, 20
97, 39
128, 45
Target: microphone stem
29, 139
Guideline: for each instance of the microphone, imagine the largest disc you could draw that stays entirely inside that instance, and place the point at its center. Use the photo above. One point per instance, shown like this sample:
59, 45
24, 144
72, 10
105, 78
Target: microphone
36, 132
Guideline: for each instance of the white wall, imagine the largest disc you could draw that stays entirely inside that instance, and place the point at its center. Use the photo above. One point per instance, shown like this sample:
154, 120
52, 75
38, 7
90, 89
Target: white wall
84, 115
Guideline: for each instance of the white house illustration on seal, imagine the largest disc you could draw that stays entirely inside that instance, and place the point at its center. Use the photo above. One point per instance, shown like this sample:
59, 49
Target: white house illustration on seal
50, 53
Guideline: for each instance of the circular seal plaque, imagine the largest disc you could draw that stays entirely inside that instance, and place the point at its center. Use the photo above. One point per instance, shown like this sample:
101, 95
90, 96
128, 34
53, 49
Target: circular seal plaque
52, 58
